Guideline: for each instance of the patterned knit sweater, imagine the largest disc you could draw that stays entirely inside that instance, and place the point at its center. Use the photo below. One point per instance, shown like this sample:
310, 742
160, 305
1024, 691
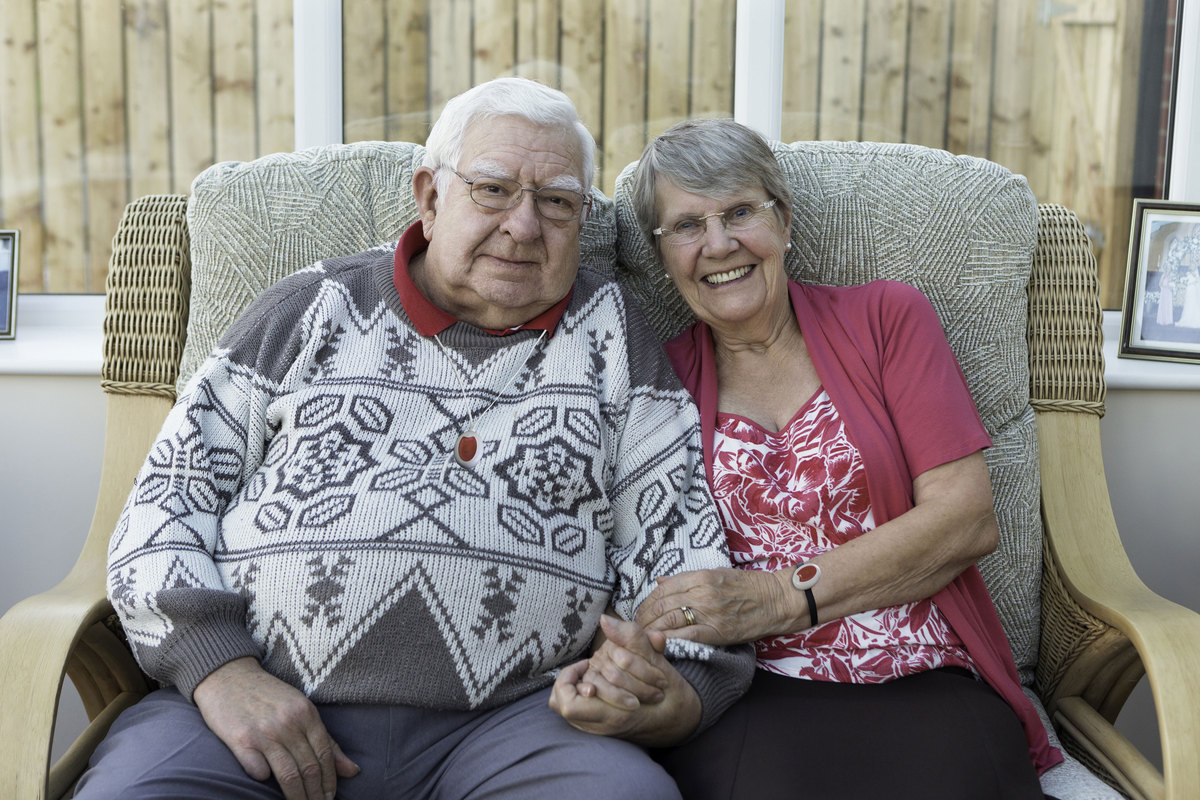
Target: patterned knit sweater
302, 505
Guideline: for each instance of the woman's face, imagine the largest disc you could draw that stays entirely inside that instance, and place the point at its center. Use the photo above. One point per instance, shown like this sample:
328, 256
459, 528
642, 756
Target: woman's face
731, 279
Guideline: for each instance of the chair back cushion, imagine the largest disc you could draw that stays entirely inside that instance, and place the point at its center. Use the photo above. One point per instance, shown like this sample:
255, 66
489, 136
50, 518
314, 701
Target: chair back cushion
253, 223
962, 230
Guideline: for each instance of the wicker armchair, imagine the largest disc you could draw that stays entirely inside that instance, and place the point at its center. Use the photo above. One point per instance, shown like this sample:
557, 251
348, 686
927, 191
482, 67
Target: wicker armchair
1101, 628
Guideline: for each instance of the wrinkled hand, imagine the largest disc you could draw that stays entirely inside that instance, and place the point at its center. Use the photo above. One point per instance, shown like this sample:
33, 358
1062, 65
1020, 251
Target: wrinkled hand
628, 689
272, 728
730, 606
625, 677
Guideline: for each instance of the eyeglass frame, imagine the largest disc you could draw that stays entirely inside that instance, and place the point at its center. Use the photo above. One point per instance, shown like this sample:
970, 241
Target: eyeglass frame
668, 235
584, 208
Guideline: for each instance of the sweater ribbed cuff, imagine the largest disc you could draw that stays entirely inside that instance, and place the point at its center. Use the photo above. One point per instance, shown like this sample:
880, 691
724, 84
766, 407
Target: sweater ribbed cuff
201, 642
719, 680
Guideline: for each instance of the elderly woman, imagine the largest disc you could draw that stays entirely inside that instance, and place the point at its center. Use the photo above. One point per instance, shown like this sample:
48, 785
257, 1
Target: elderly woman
844, 452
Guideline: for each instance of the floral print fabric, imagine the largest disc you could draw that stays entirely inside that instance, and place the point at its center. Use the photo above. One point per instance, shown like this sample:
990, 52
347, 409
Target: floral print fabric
786, 497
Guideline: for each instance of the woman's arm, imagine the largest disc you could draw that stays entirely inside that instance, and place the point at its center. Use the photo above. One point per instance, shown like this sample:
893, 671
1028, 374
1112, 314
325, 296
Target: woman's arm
909, 558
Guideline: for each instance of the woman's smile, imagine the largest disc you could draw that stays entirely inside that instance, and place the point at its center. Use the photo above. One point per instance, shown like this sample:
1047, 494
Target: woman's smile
720, 278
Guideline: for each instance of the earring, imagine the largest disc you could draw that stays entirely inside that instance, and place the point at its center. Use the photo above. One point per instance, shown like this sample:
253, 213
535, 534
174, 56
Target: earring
787, 246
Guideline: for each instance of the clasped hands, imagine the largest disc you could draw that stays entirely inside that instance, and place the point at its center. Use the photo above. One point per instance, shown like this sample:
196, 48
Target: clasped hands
629, 689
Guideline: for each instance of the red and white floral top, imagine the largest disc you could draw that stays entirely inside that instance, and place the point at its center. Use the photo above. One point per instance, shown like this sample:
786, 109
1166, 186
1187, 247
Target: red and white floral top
786, 497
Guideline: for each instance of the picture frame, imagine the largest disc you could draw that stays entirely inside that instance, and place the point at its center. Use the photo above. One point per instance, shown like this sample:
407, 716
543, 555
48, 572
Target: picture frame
1160, 314
10, 247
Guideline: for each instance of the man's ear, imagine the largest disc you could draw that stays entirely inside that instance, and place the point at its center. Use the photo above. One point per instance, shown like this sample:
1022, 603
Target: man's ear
425, 192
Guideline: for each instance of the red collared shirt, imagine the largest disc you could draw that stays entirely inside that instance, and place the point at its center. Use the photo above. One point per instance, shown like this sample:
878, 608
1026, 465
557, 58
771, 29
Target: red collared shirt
428, 318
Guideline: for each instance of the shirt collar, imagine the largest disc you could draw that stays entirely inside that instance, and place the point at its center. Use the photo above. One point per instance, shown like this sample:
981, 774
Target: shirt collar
430, 320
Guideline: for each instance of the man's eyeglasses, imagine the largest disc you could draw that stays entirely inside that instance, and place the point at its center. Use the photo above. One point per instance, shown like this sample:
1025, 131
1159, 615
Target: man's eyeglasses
501, 194
737, 217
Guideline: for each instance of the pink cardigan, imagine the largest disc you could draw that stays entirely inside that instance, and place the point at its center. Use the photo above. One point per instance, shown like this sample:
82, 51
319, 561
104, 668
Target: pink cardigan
882, 356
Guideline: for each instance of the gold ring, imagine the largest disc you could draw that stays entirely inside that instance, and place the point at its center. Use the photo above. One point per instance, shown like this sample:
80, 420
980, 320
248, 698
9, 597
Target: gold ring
688, 616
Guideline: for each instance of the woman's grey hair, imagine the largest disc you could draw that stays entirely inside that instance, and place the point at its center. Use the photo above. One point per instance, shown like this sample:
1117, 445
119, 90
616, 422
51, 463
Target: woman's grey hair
706, 157
504, 97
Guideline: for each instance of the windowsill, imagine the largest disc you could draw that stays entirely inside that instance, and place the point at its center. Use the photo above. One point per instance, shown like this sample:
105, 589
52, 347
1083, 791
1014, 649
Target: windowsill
62, 335
56, 335
1139, 373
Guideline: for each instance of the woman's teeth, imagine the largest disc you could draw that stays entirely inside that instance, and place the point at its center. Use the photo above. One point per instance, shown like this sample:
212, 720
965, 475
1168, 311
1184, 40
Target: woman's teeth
726, 277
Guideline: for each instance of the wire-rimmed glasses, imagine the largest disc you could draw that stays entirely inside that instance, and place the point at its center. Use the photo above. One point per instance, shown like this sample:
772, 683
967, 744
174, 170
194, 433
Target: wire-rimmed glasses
501, 194
737, 217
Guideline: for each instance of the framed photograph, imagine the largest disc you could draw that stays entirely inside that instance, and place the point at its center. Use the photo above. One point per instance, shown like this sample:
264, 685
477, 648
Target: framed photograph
9, 248
1160, 316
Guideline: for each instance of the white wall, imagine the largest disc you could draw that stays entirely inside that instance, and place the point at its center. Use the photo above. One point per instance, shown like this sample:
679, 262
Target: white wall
51, 447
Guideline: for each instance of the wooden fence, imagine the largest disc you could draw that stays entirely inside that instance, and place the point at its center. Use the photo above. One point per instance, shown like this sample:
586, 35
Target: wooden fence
167, 87
104, 101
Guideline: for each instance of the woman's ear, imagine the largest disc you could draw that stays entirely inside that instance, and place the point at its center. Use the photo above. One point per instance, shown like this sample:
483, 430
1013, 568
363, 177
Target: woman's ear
425, 192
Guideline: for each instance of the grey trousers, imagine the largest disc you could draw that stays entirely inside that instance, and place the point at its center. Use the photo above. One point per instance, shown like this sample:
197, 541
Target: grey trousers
161, 748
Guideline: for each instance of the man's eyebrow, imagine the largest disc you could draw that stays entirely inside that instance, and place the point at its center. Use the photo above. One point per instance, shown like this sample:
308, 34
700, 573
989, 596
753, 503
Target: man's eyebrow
485, 166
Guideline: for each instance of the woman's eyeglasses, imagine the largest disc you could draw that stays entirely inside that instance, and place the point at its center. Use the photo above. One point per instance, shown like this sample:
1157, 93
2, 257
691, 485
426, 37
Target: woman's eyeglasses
737, 217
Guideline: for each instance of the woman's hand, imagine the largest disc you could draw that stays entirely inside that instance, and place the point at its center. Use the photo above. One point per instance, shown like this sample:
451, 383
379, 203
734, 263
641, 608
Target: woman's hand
628, 689
730, 606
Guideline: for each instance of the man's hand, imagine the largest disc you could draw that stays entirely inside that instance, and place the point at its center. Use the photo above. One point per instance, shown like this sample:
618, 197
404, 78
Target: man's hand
628, 689
272, 728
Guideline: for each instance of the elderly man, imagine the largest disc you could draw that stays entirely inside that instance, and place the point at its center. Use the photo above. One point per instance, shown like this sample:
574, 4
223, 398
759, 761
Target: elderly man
395, 502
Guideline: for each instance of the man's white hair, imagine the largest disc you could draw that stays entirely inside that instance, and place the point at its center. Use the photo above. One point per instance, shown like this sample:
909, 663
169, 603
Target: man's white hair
504, 97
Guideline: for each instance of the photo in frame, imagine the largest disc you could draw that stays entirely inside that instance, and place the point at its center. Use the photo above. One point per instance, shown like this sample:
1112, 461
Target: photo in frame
10, 242
1160, 316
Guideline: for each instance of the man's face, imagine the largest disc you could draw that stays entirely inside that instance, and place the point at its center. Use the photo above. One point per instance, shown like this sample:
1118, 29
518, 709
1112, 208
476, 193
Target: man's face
498, 269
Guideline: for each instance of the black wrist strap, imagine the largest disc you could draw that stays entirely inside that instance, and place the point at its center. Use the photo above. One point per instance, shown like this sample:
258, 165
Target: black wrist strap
812, 607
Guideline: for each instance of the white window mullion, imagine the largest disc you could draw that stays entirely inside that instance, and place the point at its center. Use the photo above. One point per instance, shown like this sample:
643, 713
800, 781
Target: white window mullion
317, 40
758, 66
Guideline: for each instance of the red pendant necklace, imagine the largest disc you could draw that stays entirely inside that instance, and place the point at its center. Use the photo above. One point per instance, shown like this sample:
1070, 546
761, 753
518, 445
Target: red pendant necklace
466, 447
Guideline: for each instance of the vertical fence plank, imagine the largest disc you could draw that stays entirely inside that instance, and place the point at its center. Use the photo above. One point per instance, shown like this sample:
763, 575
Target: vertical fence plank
802, 69
364, 70
190, 46
925, 101
20, 147
537, 41
233, 79
1011, 140
494, 54
101, 24
970, 80
841, 70
148, 97
712, 58
275, 86
408, 59
449, 51
883, 75
1121, 125
583, 68
667, 68
62, 147
624, 87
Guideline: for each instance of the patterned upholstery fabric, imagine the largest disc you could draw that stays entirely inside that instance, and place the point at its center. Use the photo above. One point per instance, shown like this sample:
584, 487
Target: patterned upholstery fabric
962, 230
254, 222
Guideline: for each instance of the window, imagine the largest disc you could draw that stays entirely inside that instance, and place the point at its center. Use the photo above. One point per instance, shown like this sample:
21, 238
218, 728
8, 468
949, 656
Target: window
101, 103
632, 68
